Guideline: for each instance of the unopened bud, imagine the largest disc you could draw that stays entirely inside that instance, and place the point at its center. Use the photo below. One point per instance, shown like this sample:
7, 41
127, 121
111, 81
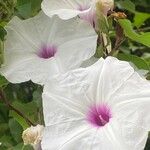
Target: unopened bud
33, 135
105, 5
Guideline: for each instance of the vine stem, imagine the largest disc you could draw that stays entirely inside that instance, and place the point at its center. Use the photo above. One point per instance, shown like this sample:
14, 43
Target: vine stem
6, 101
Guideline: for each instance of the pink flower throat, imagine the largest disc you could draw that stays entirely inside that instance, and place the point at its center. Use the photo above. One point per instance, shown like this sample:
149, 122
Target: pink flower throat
99, 115
47, 51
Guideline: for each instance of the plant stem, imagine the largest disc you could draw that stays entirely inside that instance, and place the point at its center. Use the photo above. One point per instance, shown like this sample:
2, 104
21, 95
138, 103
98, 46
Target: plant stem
6, 101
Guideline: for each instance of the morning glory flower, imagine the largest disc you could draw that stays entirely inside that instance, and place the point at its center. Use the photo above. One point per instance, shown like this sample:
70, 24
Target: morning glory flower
40, 47
66, 9
102, 107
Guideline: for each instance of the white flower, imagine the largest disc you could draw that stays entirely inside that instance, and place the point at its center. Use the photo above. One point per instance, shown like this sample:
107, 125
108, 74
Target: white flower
66, 9
33, 135
101, 107
41, 47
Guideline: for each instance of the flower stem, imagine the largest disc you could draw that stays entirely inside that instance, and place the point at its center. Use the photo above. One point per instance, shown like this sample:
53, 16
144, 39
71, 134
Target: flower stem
6, 101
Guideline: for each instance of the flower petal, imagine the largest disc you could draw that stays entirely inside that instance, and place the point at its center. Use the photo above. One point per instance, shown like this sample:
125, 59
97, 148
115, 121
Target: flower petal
56, 111
63, 135
27, 35
114, 73
72, 93
74, 90
76, 42
26, 38
125, 91
24, 67
77, 135
134, 101
122, 135
65, 9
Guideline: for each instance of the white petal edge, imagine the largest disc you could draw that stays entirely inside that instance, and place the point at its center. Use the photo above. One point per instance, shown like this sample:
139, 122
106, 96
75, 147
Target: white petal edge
64, 9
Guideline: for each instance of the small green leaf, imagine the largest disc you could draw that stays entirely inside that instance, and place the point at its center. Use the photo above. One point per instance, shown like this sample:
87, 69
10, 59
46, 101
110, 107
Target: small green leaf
2, 33
143, 38
3, 81
36, 6
27, 108
140, 18
126, 4
3, 128
99, 52
7, 141
1, 52
37, 97
103, 24
19, 119
139, 62
16, 130
3, 113
24, 8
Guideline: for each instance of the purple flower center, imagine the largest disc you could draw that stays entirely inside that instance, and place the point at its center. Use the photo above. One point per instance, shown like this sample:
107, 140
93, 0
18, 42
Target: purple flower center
99, 115
47, 51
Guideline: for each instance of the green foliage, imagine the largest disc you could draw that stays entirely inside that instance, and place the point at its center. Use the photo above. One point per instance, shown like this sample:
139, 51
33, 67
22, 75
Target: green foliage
26, 97
27, 8
140, 18
15, 130
143, 38
140, 63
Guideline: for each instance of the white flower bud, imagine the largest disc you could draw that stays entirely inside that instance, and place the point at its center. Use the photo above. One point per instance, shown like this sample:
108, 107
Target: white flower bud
106, 5
33, 135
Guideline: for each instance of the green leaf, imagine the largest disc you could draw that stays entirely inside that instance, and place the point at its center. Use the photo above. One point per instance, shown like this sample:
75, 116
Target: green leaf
3, 113
139, 62
3, 81
7, 141
37, 97
1, 52
140, 18
36, 6
27, 108
103, 24
99, 52
143, 38
15, 130
30, 110
126, 4
21, 146
18, 146
24, 8
19, 119
28, 8
3, 128
147, 144
2, 33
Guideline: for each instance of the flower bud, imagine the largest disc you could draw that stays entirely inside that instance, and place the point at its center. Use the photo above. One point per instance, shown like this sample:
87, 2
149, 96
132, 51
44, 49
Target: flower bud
33, 135
105, 5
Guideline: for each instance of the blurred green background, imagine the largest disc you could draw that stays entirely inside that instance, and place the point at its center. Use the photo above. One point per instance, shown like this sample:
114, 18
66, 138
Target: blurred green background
26, 97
